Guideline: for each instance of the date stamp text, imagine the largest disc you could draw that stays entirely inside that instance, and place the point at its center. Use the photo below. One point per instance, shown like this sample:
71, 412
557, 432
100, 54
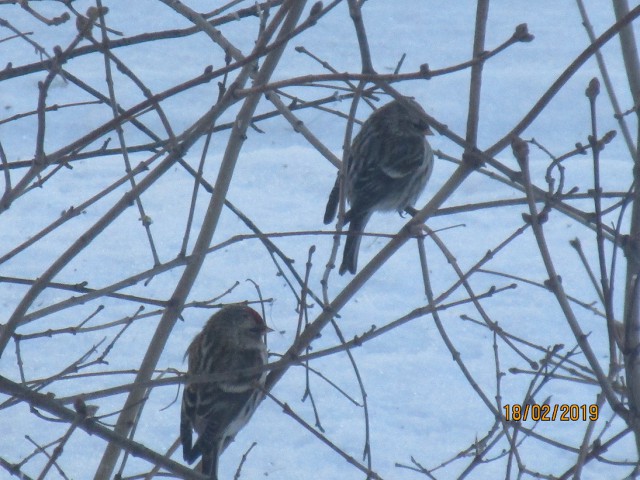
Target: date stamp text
550, 413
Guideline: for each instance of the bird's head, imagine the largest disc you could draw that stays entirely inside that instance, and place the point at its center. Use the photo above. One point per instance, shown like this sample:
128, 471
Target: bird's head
242, 326
413, 116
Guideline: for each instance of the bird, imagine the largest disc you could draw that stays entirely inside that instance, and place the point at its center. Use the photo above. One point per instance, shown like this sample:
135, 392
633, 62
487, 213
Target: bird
389, 164
231, 341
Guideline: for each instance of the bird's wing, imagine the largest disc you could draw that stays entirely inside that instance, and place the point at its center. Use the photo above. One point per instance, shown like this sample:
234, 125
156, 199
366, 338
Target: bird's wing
219, 421
218, 402
332, 203
404, 158
366, 178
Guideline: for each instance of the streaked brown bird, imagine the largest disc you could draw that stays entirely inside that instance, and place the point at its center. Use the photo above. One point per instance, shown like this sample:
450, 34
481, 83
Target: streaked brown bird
231, 342
388, 167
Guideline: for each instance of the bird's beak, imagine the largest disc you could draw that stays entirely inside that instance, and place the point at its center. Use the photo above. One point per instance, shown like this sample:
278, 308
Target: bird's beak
268, 330
428, 131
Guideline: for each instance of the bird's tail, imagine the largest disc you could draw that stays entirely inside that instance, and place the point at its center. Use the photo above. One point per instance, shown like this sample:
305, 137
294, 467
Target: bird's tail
210, 464
352, 245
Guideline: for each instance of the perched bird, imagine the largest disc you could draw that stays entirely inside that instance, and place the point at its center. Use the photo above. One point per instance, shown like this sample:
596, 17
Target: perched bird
231, 341
389, 164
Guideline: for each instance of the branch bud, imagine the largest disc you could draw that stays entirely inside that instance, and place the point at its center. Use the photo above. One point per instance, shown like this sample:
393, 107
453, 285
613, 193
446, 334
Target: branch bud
520, 151
593, 89
522, 34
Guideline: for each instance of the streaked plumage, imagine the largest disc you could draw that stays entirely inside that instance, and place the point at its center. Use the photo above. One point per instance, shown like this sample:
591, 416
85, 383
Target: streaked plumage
389, 165
231, 341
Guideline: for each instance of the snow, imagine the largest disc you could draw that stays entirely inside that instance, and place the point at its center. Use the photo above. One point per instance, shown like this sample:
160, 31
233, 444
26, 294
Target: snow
420, 404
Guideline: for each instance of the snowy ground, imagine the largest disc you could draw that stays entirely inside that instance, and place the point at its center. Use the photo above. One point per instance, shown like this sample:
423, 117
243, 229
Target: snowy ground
420, 405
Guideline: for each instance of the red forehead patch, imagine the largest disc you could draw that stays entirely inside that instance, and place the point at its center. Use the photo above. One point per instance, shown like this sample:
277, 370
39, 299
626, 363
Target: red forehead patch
256, 316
